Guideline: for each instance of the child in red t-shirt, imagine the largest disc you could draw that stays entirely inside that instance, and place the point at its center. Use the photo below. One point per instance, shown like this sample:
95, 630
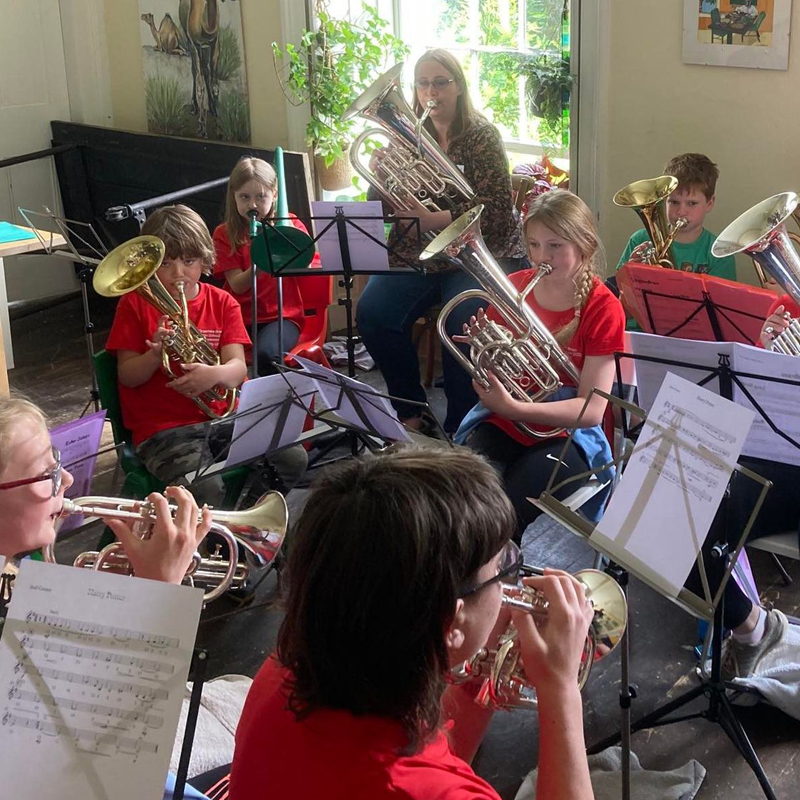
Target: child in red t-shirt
589, 324
253, 186
169, 429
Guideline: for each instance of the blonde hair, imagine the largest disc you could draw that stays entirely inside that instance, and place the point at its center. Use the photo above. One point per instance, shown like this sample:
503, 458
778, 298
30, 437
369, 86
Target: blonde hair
12, 410
569, 217
466, 115
184, 233
246, 170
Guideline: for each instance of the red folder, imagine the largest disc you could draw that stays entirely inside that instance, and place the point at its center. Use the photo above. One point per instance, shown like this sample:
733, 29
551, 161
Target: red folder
688, 305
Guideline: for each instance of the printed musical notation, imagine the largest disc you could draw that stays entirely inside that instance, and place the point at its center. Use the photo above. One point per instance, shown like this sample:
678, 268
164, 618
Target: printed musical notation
91, 675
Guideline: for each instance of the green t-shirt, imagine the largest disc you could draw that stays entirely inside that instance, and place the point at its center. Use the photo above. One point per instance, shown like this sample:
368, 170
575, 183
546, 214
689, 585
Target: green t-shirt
693, 257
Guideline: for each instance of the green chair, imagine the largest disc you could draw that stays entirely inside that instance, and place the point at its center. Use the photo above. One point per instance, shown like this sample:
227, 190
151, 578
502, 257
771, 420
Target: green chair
756, 25
139, 482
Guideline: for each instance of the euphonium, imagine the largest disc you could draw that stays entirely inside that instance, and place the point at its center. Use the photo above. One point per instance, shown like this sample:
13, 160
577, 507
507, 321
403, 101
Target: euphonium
413, 165
505, 684
761, 233
648, 199
259, 530
132, 267
521, 352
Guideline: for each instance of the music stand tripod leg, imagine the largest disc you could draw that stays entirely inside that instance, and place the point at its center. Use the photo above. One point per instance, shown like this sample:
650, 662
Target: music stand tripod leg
84, 276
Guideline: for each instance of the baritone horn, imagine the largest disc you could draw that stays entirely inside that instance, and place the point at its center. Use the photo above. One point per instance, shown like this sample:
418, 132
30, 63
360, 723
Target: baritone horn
521, 351
413, 166
648, 198
505, 684
259, 531
761, 233
132, 267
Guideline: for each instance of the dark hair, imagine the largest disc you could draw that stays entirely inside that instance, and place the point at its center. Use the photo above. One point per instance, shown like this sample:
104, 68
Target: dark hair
466, 114
694, 171
184, 233
383, 549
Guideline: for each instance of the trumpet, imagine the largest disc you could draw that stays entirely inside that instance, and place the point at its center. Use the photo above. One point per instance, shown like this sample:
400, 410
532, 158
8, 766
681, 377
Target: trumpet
132, 267
522, 352
648, 199
505, 684
259, 531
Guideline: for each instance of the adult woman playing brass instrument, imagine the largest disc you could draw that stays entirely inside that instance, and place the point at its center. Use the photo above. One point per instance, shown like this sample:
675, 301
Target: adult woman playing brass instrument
395, 579
32, 487
390, 305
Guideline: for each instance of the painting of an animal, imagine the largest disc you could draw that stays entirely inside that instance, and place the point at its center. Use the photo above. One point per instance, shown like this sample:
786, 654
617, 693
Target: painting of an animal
166, 36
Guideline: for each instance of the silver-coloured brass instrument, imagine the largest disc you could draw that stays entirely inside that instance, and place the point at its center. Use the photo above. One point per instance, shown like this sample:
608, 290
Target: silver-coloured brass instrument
505, 684
648, 198
761, 233
521, 351
413, 166
259, 531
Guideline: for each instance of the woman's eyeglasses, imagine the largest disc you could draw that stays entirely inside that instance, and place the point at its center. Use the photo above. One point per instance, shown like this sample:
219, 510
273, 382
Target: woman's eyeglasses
53, 475
437, 83
507, 570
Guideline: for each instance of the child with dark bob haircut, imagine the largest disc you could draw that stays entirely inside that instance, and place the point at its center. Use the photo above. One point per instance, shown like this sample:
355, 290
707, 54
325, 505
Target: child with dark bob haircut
394, 579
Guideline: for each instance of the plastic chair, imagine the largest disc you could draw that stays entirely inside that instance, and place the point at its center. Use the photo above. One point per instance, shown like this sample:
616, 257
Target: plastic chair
317, 294
779, 544
139, 482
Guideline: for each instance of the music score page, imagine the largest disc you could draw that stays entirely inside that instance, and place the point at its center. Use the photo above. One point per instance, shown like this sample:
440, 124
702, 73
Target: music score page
662, 510
92, 674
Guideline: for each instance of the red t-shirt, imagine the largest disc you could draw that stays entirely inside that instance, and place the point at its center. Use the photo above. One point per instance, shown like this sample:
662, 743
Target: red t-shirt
335, 755
601, 332
153, 406
267, 304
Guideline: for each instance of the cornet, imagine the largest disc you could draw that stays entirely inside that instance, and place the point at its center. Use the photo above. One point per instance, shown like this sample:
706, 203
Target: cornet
505, 684
260, 530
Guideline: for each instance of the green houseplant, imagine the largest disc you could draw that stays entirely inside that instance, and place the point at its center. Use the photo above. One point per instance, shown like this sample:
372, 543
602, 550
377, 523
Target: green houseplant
329, 68
548, 83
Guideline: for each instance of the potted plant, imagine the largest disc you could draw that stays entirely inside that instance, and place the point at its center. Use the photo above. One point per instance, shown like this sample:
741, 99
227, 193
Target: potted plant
548, 83
329, 68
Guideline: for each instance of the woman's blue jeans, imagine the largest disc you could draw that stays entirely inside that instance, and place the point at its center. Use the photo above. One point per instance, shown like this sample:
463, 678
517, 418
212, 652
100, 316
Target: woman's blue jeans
386, 313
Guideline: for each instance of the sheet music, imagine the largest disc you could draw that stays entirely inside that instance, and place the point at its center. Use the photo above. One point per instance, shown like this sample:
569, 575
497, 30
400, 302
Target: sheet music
277, 416
780, 401
92, 672
661, 512
356, 402
365, 255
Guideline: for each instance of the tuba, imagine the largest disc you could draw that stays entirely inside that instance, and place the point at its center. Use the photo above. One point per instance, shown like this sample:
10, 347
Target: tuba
259, 530
648, 199
505, 684
414, 166
761, 233
521, 352
132, 267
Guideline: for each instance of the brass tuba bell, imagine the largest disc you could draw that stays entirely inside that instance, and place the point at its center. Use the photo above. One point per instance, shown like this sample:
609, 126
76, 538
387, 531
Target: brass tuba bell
132, 267
648, 198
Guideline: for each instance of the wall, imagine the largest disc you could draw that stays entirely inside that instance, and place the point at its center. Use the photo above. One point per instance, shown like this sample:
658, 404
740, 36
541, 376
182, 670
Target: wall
261, 22
654, 107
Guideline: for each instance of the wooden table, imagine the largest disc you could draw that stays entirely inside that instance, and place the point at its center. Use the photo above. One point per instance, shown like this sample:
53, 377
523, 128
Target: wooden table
14, 249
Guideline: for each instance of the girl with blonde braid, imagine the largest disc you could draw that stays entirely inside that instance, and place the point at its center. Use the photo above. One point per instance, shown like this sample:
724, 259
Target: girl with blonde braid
589, 324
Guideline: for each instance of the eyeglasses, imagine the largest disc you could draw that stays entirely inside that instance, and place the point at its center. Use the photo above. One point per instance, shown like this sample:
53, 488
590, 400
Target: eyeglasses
507, 570
53, 475
437, 83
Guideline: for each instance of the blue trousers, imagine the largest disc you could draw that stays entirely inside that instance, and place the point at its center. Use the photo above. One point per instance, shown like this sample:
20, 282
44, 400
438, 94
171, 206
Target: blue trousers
387, 311
267, 344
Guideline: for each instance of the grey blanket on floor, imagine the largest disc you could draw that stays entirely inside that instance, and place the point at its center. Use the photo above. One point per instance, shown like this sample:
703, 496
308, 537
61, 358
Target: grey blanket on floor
676, 784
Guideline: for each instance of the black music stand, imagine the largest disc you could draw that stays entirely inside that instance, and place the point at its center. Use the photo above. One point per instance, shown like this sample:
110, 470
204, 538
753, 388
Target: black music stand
198, 671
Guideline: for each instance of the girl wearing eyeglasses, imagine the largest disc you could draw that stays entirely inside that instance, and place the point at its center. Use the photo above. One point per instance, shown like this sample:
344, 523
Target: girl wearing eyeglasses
32, 487
394, 579
391, 304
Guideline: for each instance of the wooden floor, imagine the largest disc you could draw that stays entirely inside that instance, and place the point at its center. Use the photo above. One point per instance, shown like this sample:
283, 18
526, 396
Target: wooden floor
52, 369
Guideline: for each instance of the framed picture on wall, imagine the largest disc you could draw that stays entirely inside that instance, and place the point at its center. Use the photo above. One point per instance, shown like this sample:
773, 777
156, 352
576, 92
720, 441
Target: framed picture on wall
737, 33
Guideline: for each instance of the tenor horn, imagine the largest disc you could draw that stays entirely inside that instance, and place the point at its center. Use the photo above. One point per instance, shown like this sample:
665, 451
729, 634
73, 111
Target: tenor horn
258, 531
505, 684
132, 267
761, 233
648, 198
413, 166
521, 351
